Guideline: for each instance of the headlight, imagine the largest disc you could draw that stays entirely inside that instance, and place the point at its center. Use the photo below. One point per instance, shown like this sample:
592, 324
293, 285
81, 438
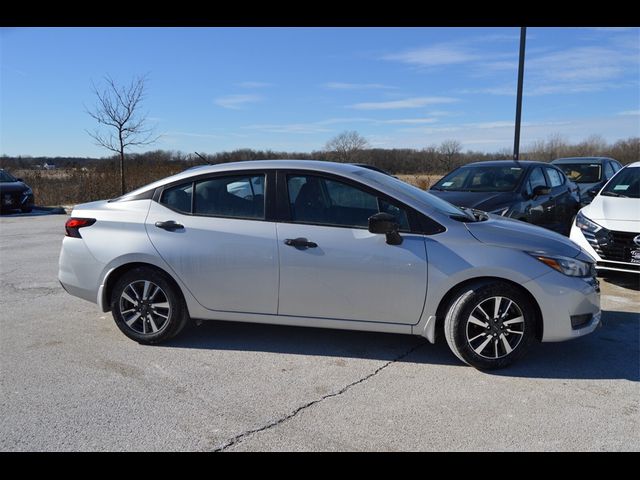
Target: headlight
583, 223
567, 265
501, 211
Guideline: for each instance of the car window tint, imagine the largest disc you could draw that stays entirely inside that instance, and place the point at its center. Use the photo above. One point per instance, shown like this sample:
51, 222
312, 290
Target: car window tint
178, 197
234, 196
616, 166
555, 177
608, 170
536, 178
322, 201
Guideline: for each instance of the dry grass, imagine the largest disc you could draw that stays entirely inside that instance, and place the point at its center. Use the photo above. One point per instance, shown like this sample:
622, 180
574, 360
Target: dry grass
420, 180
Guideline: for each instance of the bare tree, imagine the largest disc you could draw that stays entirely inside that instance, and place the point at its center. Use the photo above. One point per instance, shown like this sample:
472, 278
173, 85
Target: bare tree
346, 145
450, 150
120, 124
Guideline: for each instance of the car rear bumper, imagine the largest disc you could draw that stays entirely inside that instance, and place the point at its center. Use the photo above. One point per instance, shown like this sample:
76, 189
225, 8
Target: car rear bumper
570, 306
78, 270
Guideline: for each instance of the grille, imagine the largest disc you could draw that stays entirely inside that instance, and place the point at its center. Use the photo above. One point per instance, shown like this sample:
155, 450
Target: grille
613, 245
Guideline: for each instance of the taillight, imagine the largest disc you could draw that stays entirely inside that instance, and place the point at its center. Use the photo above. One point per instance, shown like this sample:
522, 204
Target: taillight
73, 226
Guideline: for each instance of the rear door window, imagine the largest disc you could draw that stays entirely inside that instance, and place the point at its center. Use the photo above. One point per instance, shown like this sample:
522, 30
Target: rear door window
238, 196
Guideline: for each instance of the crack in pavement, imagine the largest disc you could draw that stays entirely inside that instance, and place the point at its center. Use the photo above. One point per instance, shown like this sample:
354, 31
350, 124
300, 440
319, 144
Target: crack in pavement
240, 437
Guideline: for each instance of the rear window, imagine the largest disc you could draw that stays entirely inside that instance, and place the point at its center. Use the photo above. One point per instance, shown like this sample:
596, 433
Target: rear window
582, 172
481, 178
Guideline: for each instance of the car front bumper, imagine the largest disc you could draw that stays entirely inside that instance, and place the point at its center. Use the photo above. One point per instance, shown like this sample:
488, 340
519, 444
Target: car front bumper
570, 306
602, 263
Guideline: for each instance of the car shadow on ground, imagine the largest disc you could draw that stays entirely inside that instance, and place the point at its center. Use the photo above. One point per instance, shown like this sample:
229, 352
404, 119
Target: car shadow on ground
611, 352
36, 212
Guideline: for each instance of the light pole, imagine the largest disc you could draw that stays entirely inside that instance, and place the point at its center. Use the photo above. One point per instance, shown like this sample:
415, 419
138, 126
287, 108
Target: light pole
516, 141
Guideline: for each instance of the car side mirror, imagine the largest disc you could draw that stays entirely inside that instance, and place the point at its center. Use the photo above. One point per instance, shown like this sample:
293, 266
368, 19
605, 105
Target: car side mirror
385, 223
540, 190
19, 180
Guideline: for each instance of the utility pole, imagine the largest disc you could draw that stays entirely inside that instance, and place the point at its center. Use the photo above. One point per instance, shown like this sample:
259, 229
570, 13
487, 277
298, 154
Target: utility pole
516, 141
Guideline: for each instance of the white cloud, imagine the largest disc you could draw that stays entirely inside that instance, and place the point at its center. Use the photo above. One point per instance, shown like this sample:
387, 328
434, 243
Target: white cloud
630, 112
409, 121
237, 102
433, 56
415, 102
357, 86
192, 134
289, 128
255, 84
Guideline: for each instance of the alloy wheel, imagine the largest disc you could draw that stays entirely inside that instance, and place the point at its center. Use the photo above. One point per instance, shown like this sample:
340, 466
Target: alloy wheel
145, 307
495, 327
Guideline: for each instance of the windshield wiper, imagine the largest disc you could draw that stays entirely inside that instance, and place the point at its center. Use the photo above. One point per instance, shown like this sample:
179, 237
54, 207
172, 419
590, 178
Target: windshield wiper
613, 194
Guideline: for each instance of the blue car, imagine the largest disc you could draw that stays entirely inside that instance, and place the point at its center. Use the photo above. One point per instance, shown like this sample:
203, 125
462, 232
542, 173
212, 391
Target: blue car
589, 173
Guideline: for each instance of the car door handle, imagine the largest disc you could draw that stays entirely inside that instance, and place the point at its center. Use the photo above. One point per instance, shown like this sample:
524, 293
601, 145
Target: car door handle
300, 242
169, 225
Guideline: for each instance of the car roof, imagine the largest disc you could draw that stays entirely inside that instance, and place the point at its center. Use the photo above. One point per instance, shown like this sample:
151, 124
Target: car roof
633, 165
500, 163
345, 169
581, 160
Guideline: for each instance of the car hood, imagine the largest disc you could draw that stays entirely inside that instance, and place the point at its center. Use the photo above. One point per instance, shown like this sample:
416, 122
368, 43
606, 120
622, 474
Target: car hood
614, 213
507, 232
10, 187
486, 201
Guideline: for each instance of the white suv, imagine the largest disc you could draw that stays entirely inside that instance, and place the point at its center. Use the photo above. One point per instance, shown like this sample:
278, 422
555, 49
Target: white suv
609, 227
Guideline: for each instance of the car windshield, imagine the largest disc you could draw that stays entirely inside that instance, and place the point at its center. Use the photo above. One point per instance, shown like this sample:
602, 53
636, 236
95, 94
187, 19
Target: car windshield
582, 172
5, 177
626, 183
481, 178
396, 185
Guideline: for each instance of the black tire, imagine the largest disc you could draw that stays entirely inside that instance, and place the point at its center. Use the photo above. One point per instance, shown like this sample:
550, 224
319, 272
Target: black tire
487, 347
154, 323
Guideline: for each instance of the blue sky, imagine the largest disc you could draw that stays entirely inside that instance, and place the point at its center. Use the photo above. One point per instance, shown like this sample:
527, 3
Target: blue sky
292, 89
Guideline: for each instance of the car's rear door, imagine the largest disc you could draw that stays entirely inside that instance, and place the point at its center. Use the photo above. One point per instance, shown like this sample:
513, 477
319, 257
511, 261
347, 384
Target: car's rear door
220, 243
332, 267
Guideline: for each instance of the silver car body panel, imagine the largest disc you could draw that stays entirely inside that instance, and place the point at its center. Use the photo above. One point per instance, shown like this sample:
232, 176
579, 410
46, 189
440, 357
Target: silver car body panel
247, 274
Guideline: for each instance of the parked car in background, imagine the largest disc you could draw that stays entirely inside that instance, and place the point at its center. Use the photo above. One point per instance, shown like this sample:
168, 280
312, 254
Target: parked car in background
533, 192
589, 173
609, 227
327, 245
14, 193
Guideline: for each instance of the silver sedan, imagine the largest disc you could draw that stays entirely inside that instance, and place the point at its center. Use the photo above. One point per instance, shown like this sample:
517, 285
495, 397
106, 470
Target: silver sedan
322, 244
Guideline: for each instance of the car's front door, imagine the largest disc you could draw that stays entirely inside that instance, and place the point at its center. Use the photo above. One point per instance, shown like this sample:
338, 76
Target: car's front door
343, 271
540, 209
219, 243
565, 205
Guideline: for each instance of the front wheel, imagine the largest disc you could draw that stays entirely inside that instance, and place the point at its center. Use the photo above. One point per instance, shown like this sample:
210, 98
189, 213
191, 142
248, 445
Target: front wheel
489, 325
147, 307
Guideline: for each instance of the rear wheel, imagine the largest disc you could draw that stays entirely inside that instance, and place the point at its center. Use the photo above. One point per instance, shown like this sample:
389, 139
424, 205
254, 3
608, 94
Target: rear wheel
147, 306
490, 325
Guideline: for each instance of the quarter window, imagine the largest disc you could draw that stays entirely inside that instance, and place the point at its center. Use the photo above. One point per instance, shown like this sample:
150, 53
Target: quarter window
328, 202
178, 197
239, 196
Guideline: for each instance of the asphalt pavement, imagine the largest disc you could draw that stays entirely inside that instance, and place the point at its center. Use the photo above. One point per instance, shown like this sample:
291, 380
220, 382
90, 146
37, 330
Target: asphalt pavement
70, 380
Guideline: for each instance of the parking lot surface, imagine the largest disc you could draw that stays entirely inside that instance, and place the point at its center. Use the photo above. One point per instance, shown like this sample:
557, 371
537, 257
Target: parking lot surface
70, 380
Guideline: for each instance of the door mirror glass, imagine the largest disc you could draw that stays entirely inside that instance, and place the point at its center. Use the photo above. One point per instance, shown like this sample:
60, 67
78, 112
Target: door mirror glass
386, 224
